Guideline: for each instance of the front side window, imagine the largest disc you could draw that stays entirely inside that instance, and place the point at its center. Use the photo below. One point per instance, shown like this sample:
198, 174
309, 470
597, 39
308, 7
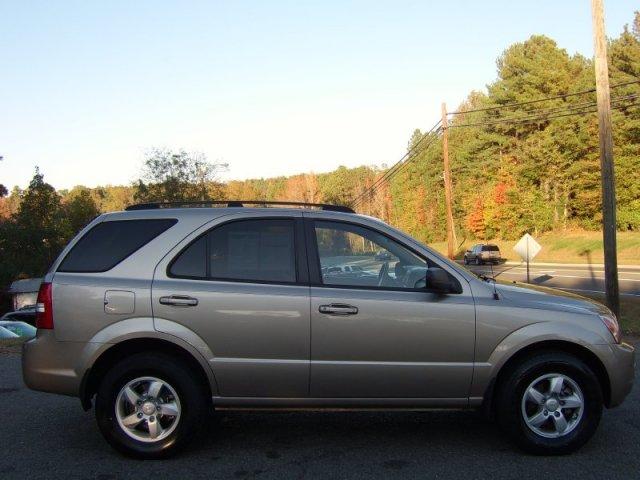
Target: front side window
248, 250
351, 255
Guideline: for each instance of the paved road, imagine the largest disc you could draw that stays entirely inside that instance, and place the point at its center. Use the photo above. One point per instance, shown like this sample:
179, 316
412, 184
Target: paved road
48, 436
579, 278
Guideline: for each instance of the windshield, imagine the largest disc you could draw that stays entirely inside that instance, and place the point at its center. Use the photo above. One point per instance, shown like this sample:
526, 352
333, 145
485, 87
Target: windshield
20, 329
4, 333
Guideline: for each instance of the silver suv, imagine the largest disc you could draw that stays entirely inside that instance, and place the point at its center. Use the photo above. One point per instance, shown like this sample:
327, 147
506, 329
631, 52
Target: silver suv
481, 253
163, 314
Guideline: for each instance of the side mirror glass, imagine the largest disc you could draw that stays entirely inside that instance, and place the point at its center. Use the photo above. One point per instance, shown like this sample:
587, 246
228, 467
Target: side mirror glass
438, 280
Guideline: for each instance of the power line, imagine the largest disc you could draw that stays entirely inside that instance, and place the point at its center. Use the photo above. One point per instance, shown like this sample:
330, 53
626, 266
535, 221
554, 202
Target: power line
546, 114
400, 165
396, 165
532, 117
371, 191
620, 107
538, 100
390, 173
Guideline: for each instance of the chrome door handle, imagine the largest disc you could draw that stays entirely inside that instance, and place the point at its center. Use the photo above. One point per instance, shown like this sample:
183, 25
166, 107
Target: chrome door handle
338, 309
179, 301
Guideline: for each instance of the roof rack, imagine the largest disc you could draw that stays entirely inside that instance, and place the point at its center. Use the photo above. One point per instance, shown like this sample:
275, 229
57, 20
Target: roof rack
236, 203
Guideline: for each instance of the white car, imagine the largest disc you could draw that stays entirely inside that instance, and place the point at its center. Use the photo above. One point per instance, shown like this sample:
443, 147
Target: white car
19, 329
5, 334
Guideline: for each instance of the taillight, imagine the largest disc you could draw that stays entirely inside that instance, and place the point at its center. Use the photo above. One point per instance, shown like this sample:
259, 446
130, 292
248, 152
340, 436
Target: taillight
44, 307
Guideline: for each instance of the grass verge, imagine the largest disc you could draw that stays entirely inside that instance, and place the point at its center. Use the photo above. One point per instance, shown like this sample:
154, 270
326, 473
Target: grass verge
566, 247
629, 313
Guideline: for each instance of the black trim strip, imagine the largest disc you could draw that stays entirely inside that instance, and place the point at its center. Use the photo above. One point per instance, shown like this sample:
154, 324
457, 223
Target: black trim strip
237, 203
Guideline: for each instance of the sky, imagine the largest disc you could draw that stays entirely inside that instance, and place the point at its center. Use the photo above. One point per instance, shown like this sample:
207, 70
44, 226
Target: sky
271, 88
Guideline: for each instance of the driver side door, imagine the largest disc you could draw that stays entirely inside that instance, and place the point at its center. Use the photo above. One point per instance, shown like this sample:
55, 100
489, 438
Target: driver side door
382, 335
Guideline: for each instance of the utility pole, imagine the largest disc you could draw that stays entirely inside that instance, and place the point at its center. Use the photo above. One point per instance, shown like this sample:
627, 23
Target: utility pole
606, 158
452, 242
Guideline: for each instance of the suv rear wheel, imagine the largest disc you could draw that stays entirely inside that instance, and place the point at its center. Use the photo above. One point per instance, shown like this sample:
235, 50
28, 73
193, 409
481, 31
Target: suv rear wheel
149, 405
550, 404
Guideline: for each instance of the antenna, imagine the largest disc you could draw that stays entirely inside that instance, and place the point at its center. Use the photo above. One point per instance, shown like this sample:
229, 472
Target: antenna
495, 290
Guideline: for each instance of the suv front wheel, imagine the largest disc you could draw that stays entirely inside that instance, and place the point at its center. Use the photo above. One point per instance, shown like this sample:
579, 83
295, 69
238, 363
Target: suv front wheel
149, 405
550, 404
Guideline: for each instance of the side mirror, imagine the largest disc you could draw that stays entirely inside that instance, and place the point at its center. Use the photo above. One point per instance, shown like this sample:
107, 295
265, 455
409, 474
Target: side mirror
438, 280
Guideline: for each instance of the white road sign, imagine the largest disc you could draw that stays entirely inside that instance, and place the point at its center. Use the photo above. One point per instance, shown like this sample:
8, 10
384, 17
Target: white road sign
527, 247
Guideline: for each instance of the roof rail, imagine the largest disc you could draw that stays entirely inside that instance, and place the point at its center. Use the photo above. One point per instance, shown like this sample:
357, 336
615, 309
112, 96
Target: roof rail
236, 203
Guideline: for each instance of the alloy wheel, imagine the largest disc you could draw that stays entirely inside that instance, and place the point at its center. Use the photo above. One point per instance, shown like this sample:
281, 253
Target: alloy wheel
552, 405
148, 409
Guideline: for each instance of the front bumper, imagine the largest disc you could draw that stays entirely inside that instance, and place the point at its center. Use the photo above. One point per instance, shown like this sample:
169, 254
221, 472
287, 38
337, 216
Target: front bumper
621, 370
49, 365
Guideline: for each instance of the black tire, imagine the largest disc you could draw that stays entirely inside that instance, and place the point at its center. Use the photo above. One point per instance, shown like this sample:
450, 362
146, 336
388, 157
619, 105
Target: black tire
193, 397
466, 261
511, 390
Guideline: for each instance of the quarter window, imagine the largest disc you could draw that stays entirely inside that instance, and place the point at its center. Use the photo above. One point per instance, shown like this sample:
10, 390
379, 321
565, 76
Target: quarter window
110, 242
192, 262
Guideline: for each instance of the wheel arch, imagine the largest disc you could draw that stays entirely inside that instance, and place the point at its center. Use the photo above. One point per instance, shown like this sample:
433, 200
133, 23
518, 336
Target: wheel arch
575, 349
107, 358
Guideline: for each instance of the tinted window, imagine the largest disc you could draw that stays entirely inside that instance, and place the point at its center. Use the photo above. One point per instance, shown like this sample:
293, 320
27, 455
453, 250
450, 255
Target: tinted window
249, 250
192, 262
490, 248
260, 250
29, 317
109, 243
374, 259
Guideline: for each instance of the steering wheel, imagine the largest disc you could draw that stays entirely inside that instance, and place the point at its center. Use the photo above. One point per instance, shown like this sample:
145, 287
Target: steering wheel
383, 273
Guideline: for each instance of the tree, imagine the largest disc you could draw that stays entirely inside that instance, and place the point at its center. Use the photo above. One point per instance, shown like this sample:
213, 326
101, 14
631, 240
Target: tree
338, 187
79, 209
176, 176
33, 236
624, 67
113, 198
475, 219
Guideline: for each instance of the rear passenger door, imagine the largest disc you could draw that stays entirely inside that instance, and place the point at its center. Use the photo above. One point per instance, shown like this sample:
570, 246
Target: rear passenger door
242, 286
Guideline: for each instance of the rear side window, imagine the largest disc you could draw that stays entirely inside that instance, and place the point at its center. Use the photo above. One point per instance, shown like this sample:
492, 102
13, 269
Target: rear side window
109, 243
247, 250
